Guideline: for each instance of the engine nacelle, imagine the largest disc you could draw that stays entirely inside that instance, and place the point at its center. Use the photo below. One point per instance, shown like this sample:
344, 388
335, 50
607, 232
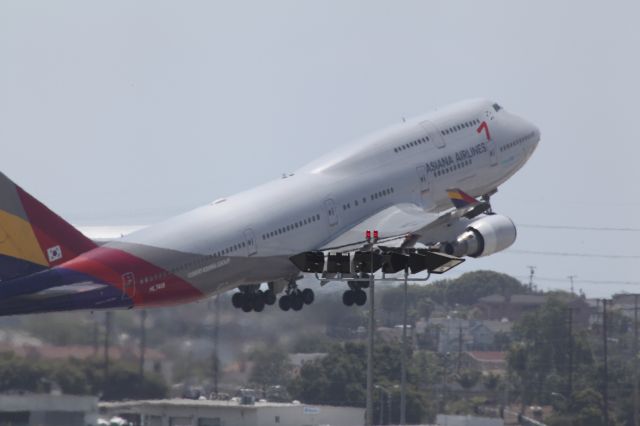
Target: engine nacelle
485, 236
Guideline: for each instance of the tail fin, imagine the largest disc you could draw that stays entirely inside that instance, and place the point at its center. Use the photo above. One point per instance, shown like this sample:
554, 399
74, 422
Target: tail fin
32, 237
460, 199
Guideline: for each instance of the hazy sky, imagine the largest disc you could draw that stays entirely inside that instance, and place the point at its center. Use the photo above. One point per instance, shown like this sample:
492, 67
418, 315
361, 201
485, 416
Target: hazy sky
126, 112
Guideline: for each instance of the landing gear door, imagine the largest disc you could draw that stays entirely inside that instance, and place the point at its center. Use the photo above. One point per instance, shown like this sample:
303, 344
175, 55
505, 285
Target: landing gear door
250, 241
332, 214
435, 137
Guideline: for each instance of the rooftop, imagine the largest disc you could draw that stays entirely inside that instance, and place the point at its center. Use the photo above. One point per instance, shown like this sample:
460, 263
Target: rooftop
178, 402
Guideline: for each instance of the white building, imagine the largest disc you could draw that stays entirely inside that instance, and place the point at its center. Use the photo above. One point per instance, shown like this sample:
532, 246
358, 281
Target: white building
48, 409
187, 412
448, 420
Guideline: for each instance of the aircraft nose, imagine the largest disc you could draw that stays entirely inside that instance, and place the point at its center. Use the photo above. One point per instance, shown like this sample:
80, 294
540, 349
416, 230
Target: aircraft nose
536, 132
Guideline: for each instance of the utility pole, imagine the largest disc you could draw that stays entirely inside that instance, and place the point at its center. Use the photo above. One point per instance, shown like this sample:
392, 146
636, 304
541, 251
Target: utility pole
215, 360
96, 335
369, 412
571, 277
605, 391
532, 271
570, 386
459, 349
403, 358
636, 417
107, 335
143, 341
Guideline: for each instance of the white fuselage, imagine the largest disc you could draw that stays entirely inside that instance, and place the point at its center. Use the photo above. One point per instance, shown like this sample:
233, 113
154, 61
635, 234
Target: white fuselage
247, 238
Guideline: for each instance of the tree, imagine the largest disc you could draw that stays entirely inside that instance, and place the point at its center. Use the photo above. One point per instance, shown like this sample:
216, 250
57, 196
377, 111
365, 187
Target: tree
468, 378
540, 356
270, 367
340, 379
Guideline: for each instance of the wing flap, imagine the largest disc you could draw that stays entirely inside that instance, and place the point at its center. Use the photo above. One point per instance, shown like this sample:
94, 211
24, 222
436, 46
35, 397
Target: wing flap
394, 222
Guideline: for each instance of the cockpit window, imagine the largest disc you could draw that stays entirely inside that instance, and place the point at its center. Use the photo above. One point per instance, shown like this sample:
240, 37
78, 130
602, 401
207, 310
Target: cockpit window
497, 107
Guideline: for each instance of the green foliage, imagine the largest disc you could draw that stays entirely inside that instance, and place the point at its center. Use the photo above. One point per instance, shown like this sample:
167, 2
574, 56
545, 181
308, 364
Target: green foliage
270, 366
77, 377
466, 406
491, 381
340, 379
540, 359
472, 286
468, 378
60, 328
311, 343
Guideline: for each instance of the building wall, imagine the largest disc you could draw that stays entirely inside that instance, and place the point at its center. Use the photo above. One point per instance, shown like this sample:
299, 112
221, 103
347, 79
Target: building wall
221, 414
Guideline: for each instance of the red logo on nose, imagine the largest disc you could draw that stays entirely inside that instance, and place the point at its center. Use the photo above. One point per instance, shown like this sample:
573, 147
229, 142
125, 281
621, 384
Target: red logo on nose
484, 126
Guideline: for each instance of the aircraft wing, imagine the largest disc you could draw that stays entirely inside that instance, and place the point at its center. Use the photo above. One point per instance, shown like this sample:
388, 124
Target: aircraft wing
103, 234
392, 223
407, 223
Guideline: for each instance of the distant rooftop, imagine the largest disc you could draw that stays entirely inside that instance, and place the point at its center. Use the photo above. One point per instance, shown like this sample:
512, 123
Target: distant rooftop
179, 402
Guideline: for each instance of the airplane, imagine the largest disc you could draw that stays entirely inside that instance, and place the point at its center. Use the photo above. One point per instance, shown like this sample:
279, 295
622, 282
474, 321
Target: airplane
424, 182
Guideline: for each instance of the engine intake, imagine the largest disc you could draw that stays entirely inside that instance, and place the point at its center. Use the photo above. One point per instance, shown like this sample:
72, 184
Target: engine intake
483, 237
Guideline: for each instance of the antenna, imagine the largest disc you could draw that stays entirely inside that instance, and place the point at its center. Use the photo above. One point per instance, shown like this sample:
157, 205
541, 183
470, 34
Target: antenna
571, 277
532, 271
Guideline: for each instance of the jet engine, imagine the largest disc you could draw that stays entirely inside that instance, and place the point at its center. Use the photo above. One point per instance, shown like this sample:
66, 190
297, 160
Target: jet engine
482, 237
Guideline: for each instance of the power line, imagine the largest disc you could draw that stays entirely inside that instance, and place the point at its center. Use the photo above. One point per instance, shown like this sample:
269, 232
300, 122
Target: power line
578, 281
574, 254
580, 228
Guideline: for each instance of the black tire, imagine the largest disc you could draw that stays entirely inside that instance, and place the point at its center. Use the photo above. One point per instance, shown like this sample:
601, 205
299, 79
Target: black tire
296, 301
360, 298
308, 296
348, 297
285, 303
258, 302
247, 304
236, 300
269, 297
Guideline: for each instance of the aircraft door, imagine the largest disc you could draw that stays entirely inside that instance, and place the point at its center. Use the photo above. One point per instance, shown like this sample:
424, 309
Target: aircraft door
250, 241
332, 214
434, 134
423, 179
128, 285
423, 183
493, 154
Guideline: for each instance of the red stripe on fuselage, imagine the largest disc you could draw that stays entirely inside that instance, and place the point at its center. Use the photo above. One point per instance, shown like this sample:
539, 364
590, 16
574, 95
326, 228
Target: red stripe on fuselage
125, 272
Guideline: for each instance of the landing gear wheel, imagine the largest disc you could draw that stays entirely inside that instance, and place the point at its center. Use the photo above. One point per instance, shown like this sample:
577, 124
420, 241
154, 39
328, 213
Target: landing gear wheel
247, 303
285, 303
257, 302
360, 298
269, 297
348, 297
307, 296
296, 301
236, 300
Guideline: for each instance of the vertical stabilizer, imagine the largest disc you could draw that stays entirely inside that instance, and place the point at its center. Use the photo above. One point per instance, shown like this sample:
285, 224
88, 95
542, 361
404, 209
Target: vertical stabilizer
32, 237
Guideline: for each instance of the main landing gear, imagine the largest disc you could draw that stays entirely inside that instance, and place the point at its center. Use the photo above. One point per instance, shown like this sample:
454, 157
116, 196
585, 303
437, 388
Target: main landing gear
295, 299
251, 298
355, 295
